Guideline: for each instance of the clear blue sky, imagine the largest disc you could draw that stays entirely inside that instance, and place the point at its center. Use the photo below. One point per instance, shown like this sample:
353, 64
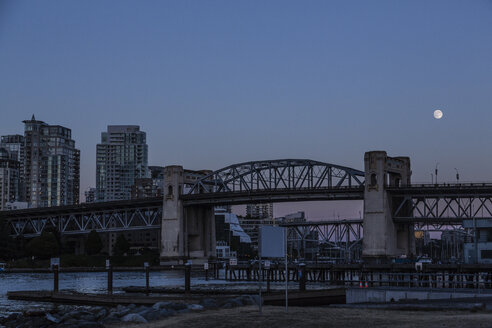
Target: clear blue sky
220, 82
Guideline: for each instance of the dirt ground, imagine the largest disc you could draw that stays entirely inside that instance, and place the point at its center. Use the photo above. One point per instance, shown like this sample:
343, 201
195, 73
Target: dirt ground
322, 317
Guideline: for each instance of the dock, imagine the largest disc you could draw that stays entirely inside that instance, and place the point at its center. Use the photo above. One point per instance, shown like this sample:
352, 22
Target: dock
96, 299
297, 298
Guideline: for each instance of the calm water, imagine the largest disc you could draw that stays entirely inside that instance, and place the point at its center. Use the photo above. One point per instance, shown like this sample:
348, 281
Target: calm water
87, 282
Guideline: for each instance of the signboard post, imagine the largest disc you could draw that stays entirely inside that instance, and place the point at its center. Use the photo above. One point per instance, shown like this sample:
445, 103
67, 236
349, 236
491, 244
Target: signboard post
205, 267
273, 244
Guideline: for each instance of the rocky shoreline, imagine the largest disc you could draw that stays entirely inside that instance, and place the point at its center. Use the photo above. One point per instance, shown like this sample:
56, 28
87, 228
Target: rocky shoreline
64, 316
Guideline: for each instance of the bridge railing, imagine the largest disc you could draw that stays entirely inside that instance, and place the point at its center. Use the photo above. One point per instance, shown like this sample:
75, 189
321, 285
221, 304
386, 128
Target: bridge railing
444, 185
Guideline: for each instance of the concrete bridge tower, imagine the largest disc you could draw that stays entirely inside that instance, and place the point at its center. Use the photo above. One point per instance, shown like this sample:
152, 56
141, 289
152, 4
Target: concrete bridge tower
383, 239
187, 233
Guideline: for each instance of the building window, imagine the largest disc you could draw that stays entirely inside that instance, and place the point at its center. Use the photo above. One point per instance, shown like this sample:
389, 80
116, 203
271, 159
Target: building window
374, 179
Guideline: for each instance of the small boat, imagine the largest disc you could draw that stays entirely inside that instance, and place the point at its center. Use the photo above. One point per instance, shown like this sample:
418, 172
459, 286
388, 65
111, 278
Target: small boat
2, 267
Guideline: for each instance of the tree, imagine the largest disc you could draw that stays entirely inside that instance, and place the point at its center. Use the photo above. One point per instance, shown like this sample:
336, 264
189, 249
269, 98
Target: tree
94, 243
44, 246
121, 246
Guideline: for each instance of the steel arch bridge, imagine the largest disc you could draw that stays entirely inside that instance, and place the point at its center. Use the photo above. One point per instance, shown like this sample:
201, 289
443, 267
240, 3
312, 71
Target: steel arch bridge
276, 181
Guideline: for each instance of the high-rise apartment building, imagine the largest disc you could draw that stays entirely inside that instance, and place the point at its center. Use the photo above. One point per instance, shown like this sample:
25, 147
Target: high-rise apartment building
51, 165
9, 178
90, 195
14, 144
122, 157
149, 187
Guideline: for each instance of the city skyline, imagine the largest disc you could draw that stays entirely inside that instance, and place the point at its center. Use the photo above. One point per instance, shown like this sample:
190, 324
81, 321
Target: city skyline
215, 84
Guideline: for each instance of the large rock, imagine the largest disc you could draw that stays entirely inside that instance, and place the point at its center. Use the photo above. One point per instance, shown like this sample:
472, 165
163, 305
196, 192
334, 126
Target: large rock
236, 302
121, 311
209, 303
88, 324
152, 315
164, 313
10, 317
227, 305
248, 300
52, 318
88, 317
134, 317
71, 322
177, 306
111, 318
101, 314
160, 305
195, 307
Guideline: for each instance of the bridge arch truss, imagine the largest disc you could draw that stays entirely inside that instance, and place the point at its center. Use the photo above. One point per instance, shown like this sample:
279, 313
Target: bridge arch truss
276, 180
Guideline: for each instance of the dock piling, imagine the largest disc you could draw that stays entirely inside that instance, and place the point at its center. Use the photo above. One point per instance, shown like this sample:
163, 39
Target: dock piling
187, 276
302, 277
55, 279
147, 278
110, 279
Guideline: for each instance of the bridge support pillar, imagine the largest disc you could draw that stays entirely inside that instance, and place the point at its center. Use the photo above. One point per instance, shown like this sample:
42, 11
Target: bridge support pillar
383, 239
187, 233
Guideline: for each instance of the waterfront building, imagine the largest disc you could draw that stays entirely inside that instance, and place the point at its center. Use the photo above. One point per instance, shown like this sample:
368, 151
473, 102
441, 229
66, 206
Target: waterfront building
232, 241
51, 165
478, 248
260, 211
122, 157
9, 178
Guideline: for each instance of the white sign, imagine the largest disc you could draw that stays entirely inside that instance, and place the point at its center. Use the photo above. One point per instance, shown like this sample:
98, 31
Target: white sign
232, 261
146, 264
107, 264
55, 261
205, 266
272, 241
267, 264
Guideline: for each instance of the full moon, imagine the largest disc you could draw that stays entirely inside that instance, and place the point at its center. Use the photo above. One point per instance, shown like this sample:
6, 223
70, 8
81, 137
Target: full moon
437, 114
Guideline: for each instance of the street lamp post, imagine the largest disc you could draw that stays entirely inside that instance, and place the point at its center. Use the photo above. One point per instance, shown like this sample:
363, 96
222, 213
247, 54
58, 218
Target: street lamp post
457, 176
436, 171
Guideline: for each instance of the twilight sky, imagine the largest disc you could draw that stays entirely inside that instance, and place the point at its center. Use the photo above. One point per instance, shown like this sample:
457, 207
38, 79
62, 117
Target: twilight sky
219, 82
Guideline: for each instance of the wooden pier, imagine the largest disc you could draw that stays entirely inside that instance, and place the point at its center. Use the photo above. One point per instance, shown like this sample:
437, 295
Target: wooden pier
390, 275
